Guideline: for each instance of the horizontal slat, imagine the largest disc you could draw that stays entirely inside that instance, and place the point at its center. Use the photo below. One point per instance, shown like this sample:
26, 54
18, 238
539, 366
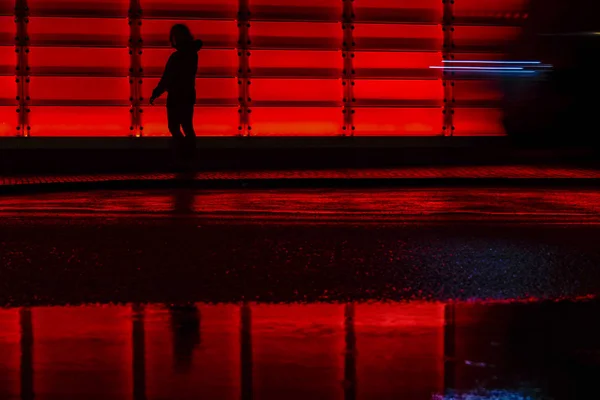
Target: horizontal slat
77, 61
80, 121
190, 9
209, 91
398, 122
400, 103
395, 73
208, 121
9, 119
79, 103
78, 8
204, 102
296, 73
8, 89
278, 121
297, 103
224, 72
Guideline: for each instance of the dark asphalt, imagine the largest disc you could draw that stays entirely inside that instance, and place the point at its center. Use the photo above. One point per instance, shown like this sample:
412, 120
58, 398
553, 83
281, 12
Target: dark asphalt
299, 246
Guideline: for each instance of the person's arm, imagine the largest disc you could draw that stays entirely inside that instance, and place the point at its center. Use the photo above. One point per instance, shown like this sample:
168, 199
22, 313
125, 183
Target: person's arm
163, 84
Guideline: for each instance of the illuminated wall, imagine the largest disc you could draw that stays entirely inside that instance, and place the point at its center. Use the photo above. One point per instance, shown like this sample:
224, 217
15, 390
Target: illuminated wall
269, 67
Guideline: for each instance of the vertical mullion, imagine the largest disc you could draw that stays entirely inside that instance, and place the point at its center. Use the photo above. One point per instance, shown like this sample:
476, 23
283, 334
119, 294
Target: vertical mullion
22, 68
348, 73
243, 75
135, 67
448, 81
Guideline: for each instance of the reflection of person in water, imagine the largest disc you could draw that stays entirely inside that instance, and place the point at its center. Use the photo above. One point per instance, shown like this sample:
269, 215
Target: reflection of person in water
185, 326
179, 81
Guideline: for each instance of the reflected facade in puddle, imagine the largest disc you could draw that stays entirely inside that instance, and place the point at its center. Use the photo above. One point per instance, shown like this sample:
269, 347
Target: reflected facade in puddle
298, 351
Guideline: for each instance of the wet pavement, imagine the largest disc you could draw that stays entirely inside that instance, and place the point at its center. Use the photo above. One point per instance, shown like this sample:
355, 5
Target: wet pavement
330, 294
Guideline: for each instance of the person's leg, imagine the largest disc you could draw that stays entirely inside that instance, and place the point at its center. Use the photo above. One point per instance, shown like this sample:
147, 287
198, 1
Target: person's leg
187, 121
187, 124
174, 121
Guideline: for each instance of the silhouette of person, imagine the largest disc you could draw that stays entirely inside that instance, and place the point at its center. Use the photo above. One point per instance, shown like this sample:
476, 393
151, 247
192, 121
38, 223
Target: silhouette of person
185, 326
179, 81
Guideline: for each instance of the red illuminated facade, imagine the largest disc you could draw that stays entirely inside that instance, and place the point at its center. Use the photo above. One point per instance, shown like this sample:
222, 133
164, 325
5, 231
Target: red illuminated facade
269, 67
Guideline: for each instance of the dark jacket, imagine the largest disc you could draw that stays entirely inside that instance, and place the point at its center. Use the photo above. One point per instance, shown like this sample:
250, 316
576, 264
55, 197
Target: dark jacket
179, 77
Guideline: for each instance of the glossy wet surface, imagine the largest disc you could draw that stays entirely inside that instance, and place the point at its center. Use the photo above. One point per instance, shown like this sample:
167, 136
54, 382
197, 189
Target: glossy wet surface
389, 294
392, 350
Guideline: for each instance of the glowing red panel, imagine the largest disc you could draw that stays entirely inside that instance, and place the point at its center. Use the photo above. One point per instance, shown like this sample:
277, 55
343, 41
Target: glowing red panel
196, 351
81, 60
71, 342
8, 90
190, 8
297, 91
304, 368
296, 35
296, 63
374, 64
208, 121
210, 62
9, 119
478, 121
307, 121
7, 7
404, 91
113, 7
213, 33
398, 37
401, 350
10, 349
315, 4
8, 60
484, 36
210, 91
398, 122
79, 91
489, 7
101, 32
80, 121
401, 11
7, 30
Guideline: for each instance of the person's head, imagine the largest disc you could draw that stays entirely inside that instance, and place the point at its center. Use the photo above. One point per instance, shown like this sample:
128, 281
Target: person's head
180, 35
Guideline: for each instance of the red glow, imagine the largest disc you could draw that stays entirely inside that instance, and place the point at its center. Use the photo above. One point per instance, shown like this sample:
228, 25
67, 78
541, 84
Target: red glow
378, 91
74, 60
79, 91
8, 90
274, 121
297, 91
8, 120
112, 7
8, 59
208, 121
478, 121
213, 33
211, 63
10, 351
403, 121
79, 57
401, 349
72, 342
102, 32
281, 349
79, 121
214, 363
210, 91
